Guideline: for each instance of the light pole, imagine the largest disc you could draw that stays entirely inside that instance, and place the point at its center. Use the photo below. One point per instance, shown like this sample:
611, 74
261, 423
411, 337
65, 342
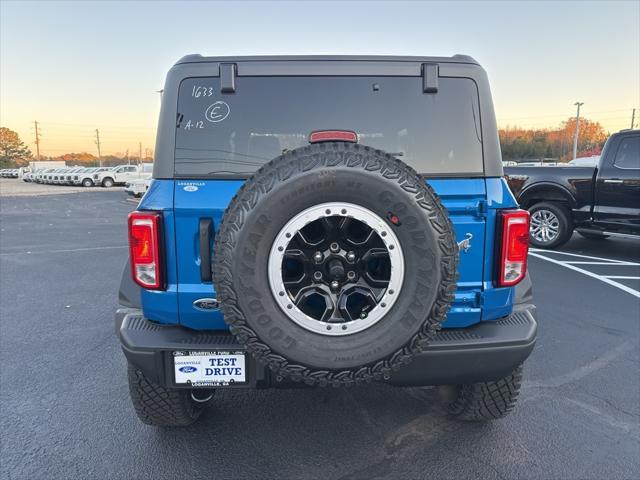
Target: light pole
575, 138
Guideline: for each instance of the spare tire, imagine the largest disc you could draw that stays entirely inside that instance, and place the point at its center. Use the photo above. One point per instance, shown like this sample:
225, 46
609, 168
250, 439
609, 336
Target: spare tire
335, 264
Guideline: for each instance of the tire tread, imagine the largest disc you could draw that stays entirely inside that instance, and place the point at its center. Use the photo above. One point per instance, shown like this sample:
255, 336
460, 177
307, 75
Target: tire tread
302, 160
481, 402
159, 406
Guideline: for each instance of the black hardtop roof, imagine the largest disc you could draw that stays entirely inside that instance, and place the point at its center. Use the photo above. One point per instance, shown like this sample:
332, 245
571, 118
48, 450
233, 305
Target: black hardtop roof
230, 67
197, 58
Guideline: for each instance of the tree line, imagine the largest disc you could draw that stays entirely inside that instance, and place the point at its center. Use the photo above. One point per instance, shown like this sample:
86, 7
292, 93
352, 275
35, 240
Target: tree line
521, 143
14, 153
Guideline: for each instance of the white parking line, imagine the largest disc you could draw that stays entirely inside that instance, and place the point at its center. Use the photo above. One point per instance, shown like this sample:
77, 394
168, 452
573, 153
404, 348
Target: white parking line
617, 264
571, 266
607, 260
621, 277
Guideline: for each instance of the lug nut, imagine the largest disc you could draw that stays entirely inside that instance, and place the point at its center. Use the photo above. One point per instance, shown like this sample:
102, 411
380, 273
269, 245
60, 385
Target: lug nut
317, 275
335, 284
351, 275
334, 247
318, 257
351, 256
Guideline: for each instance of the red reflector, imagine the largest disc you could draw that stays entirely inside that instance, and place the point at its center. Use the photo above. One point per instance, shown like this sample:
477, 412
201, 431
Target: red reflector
333, 136
144, 249
514, 248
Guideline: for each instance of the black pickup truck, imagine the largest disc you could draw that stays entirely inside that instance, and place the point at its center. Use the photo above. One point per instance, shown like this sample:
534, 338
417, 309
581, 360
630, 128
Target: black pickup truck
597, 202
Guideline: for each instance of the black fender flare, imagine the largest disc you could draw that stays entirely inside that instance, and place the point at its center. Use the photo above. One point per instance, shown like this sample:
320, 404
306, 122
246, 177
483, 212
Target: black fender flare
564, 193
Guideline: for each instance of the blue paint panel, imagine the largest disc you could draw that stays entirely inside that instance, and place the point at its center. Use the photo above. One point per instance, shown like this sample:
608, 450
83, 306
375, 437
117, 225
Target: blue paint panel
496, 302
200, 199
162, 306
498, 194
471, 204
465, 200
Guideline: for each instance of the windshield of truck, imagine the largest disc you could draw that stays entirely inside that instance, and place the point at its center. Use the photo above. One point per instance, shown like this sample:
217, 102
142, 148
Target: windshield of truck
234, 134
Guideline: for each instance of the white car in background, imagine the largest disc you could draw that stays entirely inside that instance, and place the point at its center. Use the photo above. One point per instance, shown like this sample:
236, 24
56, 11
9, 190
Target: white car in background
48, 177
585, 161
67, 178
9, 173
59, 176
137, 188
122, 174
85, 177
509, 163
39, 176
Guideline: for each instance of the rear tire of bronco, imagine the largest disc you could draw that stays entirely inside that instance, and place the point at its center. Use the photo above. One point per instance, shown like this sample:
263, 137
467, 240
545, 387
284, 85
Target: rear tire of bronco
335, 264
159, 406
87, 182
551, 225
481, 402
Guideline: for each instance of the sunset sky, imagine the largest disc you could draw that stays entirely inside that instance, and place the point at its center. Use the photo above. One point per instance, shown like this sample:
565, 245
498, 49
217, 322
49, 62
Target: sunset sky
78, 66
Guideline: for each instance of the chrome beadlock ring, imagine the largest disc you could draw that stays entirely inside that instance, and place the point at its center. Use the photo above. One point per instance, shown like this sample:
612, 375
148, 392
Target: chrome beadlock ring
381, 234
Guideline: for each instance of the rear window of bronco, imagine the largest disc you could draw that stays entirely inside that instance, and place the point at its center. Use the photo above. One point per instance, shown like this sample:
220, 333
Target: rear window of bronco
221, 134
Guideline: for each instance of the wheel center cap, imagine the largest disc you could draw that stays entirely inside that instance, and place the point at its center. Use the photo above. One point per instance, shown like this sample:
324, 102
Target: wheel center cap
336, 268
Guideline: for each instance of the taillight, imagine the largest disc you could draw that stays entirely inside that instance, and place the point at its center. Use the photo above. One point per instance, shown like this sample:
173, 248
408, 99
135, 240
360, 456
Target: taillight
333, 136
514, 247
145, 234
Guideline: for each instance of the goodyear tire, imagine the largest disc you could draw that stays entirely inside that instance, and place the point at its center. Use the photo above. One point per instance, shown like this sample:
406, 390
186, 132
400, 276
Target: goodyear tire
159, 406
376, 257
485, 401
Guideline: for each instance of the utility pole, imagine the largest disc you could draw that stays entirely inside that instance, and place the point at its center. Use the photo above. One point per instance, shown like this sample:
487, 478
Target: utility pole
633, 118
98, 145
38, 140
140, 152
128, 160
575, 138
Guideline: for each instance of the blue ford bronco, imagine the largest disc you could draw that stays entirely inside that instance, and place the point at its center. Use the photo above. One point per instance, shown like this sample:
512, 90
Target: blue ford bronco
326, 221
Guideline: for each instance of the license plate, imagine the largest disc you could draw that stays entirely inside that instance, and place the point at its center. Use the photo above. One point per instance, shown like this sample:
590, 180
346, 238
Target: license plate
203, 369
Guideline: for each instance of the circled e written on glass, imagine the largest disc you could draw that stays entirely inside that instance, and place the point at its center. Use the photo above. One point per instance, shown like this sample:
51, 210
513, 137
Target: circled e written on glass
215, 113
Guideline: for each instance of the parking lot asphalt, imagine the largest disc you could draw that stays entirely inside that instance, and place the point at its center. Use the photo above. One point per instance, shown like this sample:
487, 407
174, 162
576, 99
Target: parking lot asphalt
13, 187
65, 410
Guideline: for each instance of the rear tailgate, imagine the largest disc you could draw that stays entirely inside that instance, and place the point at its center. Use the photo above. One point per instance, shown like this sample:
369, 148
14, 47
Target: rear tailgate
465, 200
199, 200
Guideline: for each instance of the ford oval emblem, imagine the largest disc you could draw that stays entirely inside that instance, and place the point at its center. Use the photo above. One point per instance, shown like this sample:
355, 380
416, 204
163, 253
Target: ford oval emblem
188, 369
190, 188
206, 304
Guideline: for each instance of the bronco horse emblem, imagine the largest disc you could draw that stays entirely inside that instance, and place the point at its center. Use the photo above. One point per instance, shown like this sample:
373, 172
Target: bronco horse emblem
465, 245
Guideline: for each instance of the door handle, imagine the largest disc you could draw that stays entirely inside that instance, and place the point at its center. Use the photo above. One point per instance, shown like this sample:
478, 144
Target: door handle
613, 180
205, 230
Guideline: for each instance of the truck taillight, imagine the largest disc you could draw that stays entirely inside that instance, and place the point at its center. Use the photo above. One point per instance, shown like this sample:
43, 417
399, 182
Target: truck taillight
514, 247
145, 234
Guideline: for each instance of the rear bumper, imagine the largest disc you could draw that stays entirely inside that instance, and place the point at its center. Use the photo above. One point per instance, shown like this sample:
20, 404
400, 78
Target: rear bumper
483, 352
